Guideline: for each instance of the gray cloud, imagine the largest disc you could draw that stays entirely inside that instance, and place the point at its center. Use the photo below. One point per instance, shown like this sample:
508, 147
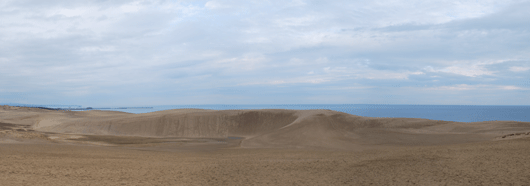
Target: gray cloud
271, 51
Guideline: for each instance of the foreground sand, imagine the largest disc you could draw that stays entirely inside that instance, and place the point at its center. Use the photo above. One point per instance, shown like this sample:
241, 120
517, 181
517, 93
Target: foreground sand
286, 148
486, 163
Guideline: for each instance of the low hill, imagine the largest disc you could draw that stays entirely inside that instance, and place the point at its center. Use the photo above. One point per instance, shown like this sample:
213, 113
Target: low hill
267, 128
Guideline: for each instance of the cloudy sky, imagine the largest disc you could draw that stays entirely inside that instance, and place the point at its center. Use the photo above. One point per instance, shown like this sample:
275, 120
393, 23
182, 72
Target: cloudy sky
137, 53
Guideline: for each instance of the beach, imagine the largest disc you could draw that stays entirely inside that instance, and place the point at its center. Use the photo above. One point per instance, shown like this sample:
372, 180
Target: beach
256, 147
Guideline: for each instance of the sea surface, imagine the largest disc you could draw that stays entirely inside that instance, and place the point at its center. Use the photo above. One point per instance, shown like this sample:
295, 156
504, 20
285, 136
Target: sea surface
461, 113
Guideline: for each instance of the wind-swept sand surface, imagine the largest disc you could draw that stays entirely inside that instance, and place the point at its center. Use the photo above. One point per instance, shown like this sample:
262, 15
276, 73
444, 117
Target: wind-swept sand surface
256, 147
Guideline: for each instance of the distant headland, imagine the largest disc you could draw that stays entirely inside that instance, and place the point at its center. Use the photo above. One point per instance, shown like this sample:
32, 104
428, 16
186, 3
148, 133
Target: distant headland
71, 107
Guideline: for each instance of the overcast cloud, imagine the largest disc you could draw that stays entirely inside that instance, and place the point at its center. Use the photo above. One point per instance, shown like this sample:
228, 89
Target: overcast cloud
132, 53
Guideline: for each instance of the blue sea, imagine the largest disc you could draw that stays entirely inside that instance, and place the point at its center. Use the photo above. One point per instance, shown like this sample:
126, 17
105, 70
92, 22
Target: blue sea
460, 113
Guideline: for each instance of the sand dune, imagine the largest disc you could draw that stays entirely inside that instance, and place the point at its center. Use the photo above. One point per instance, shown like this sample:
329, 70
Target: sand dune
266, 128
256, 147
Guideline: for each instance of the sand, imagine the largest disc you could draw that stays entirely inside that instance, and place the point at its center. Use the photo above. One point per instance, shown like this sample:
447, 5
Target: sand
256, 147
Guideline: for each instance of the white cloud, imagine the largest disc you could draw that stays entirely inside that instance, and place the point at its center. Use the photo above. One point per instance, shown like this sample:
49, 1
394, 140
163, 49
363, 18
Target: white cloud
298, 3
331, 74
299, 80
383, 75
258, 40
98, 49
457, 87
416, 73
461, 87
244, 63
467, 68
132, 7
356, 87
297, 21
519, 69
470, 70
214, 5
511, 88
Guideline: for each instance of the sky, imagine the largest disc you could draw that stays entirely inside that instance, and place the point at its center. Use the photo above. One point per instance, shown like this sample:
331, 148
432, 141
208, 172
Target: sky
165, 52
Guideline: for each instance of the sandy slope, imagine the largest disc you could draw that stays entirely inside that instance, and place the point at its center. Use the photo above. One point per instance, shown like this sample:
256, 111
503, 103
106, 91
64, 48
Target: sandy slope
487, 163
263, 147
265, 128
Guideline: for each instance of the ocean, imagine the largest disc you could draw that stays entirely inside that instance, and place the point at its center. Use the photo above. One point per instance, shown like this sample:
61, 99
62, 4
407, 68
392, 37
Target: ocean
460, 113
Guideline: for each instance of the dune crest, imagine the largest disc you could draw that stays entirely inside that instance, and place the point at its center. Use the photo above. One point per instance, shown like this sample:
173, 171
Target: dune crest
267, 128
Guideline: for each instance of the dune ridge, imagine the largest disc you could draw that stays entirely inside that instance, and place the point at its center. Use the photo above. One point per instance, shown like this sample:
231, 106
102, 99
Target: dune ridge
273, 128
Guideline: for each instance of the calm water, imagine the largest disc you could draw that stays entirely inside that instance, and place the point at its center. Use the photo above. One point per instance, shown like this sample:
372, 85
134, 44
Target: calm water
435, 112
